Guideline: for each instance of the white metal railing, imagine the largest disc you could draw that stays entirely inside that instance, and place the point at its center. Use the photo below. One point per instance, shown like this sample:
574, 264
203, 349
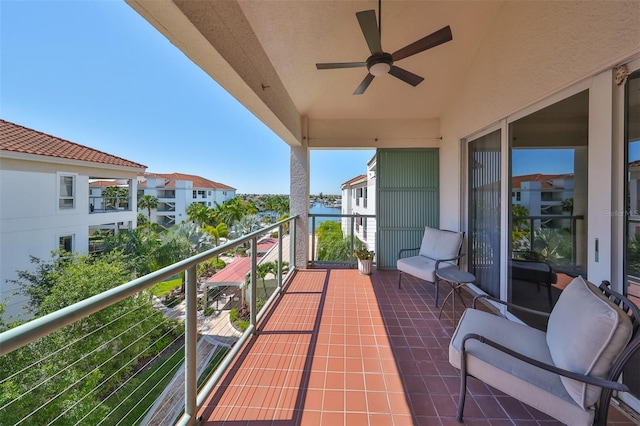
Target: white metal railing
16, 338
365, 233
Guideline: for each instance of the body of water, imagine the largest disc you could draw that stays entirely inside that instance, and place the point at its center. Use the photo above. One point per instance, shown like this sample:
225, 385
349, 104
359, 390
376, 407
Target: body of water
319, 208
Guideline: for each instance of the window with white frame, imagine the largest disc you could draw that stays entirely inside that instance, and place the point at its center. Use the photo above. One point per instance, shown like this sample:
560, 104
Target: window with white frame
67, 192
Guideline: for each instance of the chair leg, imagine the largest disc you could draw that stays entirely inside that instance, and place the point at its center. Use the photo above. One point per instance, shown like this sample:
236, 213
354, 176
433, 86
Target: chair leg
399, 279
602, 411
437, 283
463, 394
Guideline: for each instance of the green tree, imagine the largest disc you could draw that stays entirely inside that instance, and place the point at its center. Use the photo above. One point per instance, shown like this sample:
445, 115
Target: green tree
139, 247
36, 283
148, 202
519, 214
234, 210
567, 205
197, 212
332, 246
217, 232
85, 360
114, 195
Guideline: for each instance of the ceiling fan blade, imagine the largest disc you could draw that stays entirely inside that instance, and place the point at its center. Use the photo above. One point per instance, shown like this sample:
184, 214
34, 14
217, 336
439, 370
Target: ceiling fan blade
406, 76
363, 86
432, 40
369, 26
334, 65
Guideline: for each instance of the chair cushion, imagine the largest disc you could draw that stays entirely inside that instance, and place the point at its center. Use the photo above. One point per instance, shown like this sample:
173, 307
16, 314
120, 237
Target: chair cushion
538, 388
420, 267
439, 244
585, 334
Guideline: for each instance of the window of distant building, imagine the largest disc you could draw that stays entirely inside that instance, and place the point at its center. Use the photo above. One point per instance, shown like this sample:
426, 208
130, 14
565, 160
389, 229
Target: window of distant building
209, 203
66, 243
195, 194
224, 193
209, 193
67, 191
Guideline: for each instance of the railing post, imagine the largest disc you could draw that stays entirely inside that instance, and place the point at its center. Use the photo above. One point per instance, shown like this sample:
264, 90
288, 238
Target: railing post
252, 284
279, 273
313, 240
191, 337
292, 243
353, 235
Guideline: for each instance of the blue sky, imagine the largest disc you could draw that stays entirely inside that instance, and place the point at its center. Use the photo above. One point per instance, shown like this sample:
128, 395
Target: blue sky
96, 73
545, 161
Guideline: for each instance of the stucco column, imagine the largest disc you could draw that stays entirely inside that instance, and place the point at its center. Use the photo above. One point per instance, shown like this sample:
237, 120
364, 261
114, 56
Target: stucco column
299, 200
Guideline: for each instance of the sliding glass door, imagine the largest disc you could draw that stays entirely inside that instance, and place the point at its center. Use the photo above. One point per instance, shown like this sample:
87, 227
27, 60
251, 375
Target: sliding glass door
484, 183
549, 198
631, 376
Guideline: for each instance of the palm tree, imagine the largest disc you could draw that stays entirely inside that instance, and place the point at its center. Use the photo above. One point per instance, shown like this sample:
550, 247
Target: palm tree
219, 231
198, 213
148, 202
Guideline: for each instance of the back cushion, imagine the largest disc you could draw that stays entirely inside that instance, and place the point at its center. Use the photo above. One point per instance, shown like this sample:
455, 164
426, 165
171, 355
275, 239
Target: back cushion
439, 244
585, 334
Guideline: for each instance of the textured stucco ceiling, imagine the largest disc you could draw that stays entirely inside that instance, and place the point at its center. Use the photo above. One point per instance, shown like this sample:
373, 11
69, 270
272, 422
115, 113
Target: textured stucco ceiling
298, 34
504, 55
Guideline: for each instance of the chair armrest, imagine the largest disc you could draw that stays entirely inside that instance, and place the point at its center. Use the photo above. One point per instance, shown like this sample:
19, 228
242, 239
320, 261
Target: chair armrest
596, 381
438, 261
510, 305
407, 249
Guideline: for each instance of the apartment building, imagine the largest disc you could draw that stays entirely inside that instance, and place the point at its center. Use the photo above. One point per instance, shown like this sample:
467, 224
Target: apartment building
359, 198
544, 195
46, 201
176, 191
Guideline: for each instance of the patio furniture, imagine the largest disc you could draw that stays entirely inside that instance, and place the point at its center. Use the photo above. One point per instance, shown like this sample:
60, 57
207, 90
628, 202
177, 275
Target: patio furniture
535, 272
456, 279
569, 372
439, 249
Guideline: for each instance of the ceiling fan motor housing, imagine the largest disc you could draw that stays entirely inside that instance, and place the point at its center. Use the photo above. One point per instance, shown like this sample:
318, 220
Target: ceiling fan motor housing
379, 63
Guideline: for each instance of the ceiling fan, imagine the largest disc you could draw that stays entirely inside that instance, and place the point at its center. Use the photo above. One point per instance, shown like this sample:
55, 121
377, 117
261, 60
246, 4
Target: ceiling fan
381, 62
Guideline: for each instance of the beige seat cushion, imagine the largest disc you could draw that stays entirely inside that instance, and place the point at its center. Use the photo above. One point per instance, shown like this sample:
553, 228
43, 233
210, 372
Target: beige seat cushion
440, 244
420, 267
585, 334
536, 387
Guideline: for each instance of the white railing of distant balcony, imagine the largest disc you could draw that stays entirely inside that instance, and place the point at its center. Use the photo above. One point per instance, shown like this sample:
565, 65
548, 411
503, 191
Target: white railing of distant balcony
365, 233
109, 204
26, 337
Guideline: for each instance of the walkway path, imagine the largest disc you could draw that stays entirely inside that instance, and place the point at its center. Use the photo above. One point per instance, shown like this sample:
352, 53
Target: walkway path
216, 332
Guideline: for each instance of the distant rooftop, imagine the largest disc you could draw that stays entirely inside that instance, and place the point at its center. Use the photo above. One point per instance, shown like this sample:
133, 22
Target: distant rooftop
516, 181
198, 181
20, 139
354, 180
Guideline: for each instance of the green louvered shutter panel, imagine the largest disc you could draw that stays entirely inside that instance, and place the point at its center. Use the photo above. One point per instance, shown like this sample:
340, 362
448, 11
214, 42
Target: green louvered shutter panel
407, 200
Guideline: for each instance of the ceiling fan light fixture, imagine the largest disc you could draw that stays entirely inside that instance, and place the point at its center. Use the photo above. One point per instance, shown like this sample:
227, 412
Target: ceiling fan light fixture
381, 68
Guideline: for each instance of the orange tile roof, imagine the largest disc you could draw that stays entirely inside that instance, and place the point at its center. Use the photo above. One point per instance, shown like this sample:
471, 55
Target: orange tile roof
353, 180
19, 139
105, 183
516, 181
236, 271
198, 182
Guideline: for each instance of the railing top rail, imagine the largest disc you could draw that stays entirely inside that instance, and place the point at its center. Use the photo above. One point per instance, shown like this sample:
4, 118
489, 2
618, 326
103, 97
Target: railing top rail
550, 216
23, 334
340, 215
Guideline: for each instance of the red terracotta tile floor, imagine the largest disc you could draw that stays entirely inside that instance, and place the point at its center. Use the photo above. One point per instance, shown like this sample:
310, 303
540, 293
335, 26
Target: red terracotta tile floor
343, 348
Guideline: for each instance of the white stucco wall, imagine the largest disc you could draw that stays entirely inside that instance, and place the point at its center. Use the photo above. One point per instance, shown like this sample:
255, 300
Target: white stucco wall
31, 222
520, 62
